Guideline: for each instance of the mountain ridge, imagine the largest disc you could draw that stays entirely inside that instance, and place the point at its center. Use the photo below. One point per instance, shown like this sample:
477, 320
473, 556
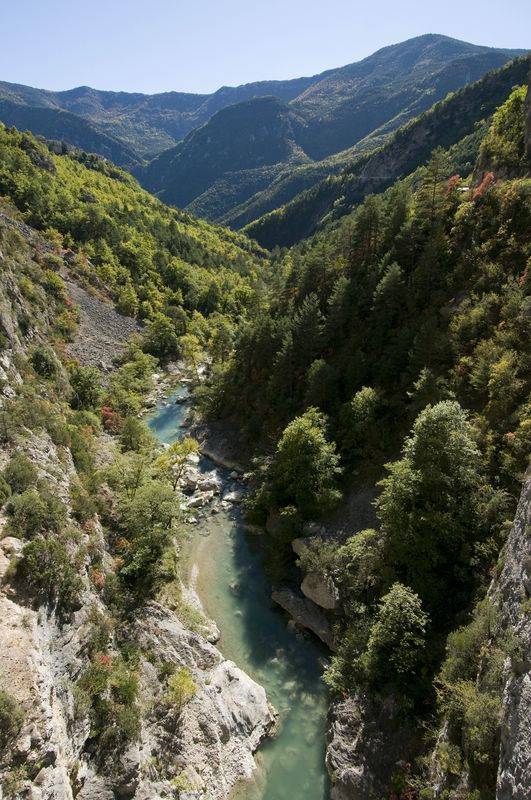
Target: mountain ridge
327, 122
407, 149
174, 114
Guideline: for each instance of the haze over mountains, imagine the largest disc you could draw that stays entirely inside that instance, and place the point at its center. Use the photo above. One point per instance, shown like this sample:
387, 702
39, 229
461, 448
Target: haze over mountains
244, 151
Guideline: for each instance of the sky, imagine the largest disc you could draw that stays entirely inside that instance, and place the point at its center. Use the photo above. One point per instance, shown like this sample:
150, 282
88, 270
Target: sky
199, 45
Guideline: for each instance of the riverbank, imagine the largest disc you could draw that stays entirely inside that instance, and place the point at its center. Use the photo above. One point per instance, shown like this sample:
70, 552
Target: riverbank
226, 565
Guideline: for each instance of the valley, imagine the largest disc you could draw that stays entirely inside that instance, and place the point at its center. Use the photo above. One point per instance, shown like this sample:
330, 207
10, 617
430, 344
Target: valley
265, 432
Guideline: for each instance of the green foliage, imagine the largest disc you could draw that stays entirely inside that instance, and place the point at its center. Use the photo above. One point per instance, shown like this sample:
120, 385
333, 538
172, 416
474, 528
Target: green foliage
35, 510
359, 424
149, 256
135, 435
127, 300
147, 517
83, 504
447, 122
396, 642
469, 690
305, 467
5, 490
430, 507
20, 473
181, 689
46, 570
173, 460
108, 691
131, 382
85, 383
160, 337
503, 148
43, 362
412, 307
11, 719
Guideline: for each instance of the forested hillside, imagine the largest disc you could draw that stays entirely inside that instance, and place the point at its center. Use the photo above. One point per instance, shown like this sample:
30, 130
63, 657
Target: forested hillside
445, 124
159, 264
255, 138
63, 126
321, 122
218, 172
394, 354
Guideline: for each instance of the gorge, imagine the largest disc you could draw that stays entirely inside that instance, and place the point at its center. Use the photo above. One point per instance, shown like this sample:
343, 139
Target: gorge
265, 494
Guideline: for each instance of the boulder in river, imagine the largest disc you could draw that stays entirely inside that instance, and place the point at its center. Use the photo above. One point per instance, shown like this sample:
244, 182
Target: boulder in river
305, 613
321, 590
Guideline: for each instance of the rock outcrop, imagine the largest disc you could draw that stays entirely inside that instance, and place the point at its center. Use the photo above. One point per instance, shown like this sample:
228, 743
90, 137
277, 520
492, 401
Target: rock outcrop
514, 588
305, 613
320, 590
368, 744
208, 748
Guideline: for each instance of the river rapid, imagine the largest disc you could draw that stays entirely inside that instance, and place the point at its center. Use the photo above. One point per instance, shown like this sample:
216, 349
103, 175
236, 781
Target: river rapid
234, 591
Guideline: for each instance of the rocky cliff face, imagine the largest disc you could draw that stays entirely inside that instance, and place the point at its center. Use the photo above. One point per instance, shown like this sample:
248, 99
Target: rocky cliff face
202, 748
514, 592
368, 745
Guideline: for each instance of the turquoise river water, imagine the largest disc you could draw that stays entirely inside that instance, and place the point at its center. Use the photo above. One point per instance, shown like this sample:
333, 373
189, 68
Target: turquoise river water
254, 634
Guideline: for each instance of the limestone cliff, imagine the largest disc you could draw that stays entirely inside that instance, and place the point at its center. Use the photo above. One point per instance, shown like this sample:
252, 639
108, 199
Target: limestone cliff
514, 592
49, 749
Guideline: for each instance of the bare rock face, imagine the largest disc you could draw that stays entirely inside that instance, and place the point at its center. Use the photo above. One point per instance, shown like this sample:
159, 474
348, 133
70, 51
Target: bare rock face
305, 613
218, 730
367, 745
321, 590
514, 771
205, 748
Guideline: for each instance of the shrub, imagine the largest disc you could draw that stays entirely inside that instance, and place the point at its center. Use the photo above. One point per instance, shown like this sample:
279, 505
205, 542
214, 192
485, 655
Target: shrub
181, 689
305, 467
83, 505
53, 283
20, 473
34, 511
43, 362
395, 648
359, 426
46, 569
135, 435
431, 507
5, 490
82, 447
11, 719
108, 690
160, 337
86, 387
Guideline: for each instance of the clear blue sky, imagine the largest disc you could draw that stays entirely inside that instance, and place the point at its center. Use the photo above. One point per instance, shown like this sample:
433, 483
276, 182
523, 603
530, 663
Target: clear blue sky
199, 45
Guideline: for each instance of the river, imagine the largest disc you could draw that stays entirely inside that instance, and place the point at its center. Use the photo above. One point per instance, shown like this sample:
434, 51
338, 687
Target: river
235, 593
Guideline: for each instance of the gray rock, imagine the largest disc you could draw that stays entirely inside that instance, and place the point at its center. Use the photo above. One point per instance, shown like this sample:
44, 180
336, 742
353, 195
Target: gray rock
305, 613
199, 500
236, 495
321, 590
11, 545
514, 769
367, 741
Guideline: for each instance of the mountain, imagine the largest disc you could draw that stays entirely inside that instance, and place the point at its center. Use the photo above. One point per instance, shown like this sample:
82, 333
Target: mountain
443, 125
243, 145
362, 102
148, 124
57, 124
383, 389
338, 107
